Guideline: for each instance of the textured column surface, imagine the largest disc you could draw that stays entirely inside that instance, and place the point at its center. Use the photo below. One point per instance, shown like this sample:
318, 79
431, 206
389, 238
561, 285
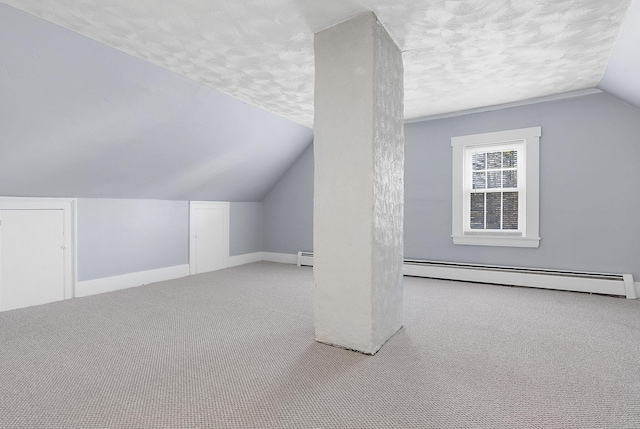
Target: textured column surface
358, 185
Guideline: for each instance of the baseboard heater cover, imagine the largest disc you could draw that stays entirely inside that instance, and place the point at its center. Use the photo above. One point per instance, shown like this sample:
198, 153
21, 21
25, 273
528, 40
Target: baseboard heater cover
578, 281
305, 259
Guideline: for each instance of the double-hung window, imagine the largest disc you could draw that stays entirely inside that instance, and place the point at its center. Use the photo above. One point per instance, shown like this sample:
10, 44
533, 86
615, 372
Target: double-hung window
495, 188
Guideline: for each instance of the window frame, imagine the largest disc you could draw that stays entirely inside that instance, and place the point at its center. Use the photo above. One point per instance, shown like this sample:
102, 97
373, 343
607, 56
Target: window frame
527, 234
468, 172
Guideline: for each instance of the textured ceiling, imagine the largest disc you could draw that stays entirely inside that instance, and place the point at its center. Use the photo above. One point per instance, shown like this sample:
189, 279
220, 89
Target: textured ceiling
458, 54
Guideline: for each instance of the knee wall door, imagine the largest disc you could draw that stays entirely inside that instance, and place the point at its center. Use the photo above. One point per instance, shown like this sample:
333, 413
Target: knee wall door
32, 262
209, 241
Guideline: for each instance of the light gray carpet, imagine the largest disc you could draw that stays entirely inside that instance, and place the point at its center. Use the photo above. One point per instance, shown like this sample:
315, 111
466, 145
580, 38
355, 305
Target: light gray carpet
234, 348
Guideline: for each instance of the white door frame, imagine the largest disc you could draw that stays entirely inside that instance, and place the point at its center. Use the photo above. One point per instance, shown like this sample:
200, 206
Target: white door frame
68, 207
193, 205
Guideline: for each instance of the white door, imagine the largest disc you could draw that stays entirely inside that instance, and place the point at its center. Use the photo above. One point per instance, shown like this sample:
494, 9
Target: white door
31, 257
209, 236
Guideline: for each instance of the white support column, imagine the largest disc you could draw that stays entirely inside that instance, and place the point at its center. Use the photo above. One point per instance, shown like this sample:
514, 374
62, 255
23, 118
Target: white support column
359, 185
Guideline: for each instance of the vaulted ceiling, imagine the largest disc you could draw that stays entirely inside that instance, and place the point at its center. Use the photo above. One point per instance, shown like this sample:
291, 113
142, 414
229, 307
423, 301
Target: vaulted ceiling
213, 99
622, 76
81, 119
458, 54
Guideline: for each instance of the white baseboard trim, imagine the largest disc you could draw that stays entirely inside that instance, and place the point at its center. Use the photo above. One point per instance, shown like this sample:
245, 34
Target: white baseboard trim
247, 258
110, 284
444, 270
283, 258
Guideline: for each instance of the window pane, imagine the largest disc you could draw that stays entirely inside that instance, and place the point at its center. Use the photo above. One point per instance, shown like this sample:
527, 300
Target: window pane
509, 210
477, 211
510, 179
510, 159
479, 161
494, 160
493, 210
495, 179
479, 180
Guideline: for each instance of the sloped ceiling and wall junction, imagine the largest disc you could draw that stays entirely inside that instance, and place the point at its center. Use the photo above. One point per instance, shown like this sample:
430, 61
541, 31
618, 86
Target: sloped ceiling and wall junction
80, 118
622, 76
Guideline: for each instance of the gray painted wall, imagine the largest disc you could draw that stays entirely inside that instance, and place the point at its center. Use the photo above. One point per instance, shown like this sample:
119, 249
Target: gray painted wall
81, 119
124, 236
589, 201
589, 173
288, 209
121, 236
245, 228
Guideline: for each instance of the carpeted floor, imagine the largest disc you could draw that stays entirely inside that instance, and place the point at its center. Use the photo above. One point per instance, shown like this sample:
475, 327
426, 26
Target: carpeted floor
234, 349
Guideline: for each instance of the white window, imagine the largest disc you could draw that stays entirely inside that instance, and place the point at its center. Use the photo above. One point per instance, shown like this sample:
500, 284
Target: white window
496, 188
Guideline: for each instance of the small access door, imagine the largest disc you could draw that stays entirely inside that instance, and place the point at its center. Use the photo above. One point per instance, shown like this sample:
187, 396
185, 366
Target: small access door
32, 259
209, 241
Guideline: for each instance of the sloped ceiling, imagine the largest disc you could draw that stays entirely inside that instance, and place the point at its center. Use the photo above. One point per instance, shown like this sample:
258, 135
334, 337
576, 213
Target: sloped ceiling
622, 76
81, 119
153, 103
458, 54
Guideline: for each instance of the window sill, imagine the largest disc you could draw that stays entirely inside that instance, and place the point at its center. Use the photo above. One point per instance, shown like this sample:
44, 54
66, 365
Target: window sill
479, 240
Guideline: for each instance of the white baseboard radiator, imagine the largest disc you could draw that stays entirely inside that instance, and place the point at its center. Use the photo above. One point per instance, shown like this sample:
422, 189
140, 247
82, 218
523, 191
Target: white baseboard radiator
305, 259
599, 283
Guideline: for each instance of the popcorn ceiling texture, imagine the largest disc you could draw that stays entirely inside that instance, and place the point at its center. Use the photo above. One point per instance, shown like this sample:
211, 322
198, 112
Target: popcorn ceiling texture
458, 54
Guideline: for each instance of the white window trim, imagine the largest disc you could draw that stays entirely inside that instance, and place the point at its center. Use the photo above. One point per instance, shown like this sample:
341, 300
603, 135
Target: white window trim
530, 230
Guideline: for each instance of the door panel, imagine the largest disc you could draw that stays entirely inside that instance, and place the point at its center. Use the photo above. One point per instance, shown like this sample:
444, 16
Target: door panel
31, 257
211, 237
